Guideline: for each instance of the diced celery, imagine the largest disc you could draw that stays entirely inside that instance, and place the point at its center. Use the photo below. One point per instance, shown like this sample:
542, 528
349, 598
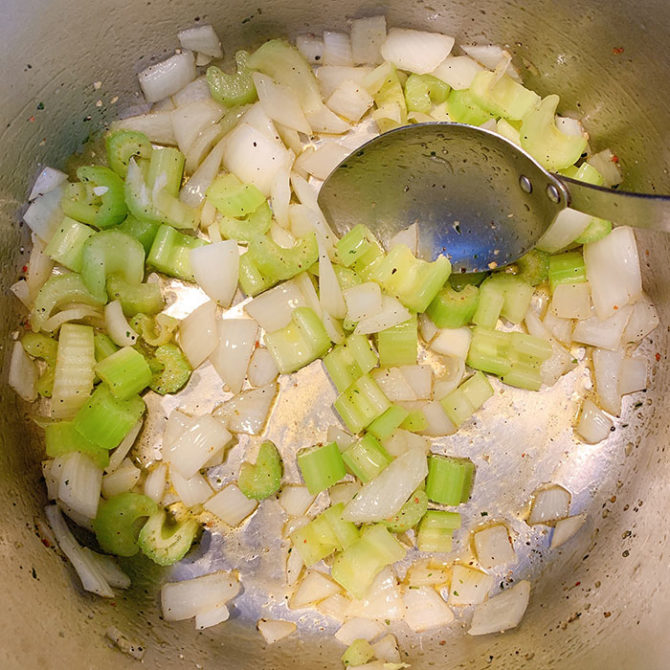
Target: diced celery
533, 267
436, 530
359, 652
459, 281
516, 295
38, 345
166, 169
346, 277
391, 109
361, 403
349, 360
409, 514
488, 351
120, 520
252, 281
302, 341
491, 301
384, 425
355, 244
596, 230
502, 96
103, 346
566, 268
175, 369
366, 458
541, 138
346, 532
81, 203
67, 244
399, 344
105, 420
233, 198
449, 480
232, 89
415, 421
171, 253
463, 108
61, 438
143, 231
135, 298
453, 309
413, 281
166, 543
263, 478
122, 145
461, 403
155, 331
424, 90
126, 372
321, 466
278, 263
244, 230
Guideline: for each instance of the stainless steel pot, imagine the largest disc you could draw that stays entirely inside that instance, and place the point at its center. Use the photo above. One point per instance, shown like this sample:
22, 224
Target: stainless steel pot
602, 602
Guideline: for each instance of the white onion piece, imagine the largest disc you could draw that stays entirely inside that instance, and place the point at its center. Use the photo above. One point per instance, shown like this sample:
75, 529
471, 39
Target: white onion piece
438, 422
605, 162
262, 368
164, 105
321, 161
493, 546
195, 91
231, 505
280, 193
194, 190
305, 219
549, 505
363, 300
593, 425
606, 333
571, 301
454, 371
80, 483
109, 568
157, 126
633, 375
457, 71
394, 385
202, 39
313, 588
253, 157
401, 441
415, 50
193, 491
295, 500
607, 366
493, 57
204, 438
275, 630
452, 342
51, 470
427, 329
333, 328
306, 286
335, 606
176, 425
391, 314
469, 586
425, 609
281, 236
565, 529
90, 573
643, 319
408, 237
568, 225
167, 77
343, 492
426, 572
280, 103
190, 120
613, 270
367, 36
198, 333
323, 120
154, 484
561, 329
420, 378
386, 649
350, 100
385, 494
23, 373
311, 48
121, 480
256, 117
273, 309
22, 292
47, 180
236, 342
74, 313
359, 629
337, 434
569, 126
330, 293
383, 600
336, 48
186, 599
216, 268
117, 325
248, 411
331, 77
501, 612
44, 213
212, 617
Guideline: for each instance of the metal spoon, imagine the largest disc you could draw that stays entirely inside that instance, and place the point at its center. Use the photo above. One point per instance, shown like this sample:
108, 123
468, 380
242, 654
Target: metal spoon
478, 198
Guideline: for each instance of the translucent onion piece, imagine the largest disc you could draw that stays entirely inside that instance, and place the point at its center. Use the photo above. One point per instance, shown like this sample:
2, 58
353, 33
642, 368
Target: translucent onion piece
394, 384
212, 617
74, 313
494, 547
295, 500
408, 237
157, 126
593, 425
425, 609
363, 300
216, 267
274, 630
121, 480
110, 569
117, 325
193, 491
457, 71
420, 378
343, 492
367, 36
186, 599
311, 48
604, 161
335, 606
44, 213
154, 484
331, 77
79, 484
391, 314
231, 505
248, 411
167, 77
386, 649
359, 629
571, 301
23, 373
568, 225
339, 435
47, 180
190, 120
603, 333
383, 600
501, 612
202, 39
262, 368
350, 100
198, 333
336, 48
633, 375
415, 50
273, 309
330, 293
280, 103
236, 342
21, 291
643, 320
313, 588
193, 192
320, 162
549, 505
565, 529
438, 422
194, 91
607, 368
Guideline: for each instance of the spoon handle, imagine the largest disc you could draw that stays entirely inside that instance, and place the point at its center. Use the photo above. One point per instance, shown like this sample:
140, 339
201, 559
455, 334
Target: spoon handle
642, 210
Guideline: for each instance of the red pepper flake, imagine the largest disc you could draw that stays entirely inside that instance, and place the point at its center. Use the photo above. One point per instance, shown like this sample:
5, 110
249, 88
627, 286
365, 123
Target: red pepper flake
46, 543
523, 455
443, 642
577, 583
617, 50
31, 119
614, 159
615, 306
24, 268
657, 357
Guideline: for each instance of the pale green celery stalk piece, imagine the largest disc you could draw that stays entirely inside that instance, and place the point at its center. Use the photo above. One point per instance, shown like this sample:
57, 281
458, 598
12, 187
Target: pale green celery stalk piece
321, 466
361, 403
232, 89
67, 244
126, 372
122, 145
391, 108
171, 253
233, 198
359, 652
502, 96
436, 531
166, 169
449, 480
399, 345
166, 543
516, 294
263, 478
349, 360
461, 403
366, 458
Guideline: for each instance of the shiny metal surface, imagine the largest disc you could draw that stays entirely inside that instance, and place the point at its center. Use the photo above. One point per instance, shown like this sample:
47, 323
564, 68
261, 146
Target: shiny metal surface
476, 196
602, 600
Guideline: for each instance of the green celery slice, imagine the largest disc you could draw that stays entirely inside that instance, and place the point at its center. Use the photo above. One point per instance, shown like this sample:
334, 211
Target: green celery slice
321, 466
424, 90
232, 89
409, 515
361, 403
175, 369
145, 298
165, 543
502, 96
399, 345
67, 244
122, 145
262, 479
359, 652
349, 360
366, 458
171, 253
436, 530
453, 309
126, 372
61, 438
449, 480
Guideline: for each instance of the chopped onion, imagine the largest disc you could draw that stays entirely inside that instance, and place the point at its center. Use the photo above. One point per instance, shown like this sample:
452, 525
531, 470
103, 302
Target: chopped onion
454, 371
121, 480
452, 342
337, 434
167, 77
236, 342
351, 101
607, 164
157, 126
275, 630
215, 267
280, 193
323, 120
281, 104
47, 180
402, 441
74, 313
311, 47
330, 293
231, 505
501, 612
420, 378
184, 600
593, 425
367, 36
308, 218
607, 367
561, 329
176, 425
633, 375
190, 120
363, 301
313, 588
394, 385
336, 48
385, 494
44, 213
606, 333
469, 586
335, 606
117, 326
408, 237
247, 412
343, 492
568, 225
383, 600
197, 90
198, 333
425, 609
295, 500
212, 617
110, 569
643, 320
273, 309
427, 328
154, 484
415, 50
565, 529
202, 39
22, 292
359, 629
79, 484
193, 192
391, 314
89, 571
331, 77
571, 301
493, 546
304, 282
262, 368
549, 505
51, 470
457, 71
201, 146
193, 491
492, 57
438, 422
613, 271
23, 373
321, 161
386, 649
